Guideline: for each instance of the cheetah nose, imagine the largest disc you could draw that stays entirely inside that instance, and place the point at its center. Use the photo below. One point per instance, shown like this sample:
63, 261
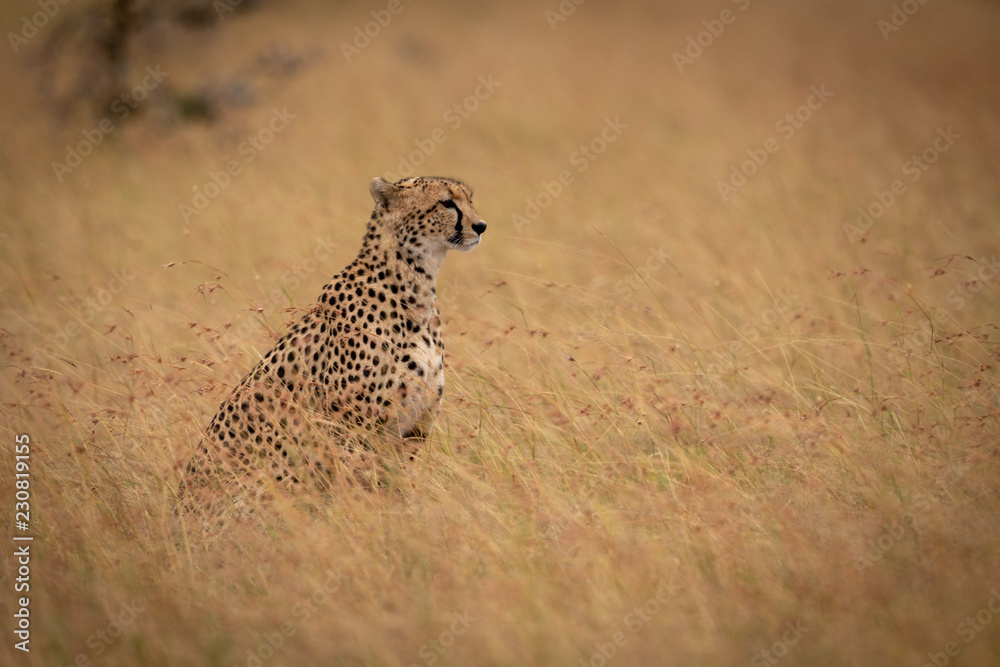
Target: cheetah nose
479, 227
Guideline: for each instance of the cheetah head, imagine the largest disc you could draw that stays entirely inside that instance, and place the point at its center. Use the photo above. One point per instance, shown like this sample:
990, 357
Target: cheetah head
429, 214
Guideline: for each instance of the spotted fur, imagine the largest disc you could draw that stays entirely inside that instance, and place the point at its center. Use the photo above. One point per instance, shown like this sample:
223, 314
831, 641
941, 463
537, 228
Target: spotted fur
360, 376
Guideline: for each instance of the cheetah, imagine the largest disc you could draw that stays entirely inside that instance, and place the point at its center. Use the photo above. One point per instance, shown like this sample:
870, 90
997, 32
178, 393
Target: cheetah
361, 374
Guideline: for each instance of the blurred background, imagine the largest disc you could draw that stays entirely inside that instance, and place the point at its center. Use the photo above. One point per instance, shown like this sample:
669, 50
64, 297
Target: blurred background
732, 322
506, 97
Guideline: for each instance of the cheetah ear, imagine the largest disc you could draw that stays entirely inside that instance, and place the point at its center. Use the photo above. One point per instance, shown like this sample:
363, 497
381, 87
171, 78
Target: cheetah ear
382, 191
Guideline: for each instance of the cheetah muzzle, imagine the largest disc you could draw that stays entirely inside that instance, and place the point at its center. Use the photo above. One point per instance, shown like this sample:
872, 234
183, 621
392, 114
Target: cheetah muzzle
357, 378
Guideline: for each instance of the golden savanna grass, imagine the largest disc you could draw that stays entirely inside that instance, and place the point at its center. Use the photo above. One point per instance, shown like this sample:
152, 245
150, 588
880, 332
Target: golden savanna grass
766, 419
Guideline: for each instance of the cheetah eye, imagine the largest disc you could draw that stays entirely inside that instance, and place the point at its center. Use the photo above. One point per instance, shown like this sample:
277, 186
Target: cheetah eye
449, 203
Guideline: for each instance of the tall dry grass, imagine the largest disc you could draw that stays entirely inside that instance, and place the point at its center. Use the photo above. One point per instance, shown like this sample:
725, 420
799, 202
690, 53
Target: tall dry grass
677, 429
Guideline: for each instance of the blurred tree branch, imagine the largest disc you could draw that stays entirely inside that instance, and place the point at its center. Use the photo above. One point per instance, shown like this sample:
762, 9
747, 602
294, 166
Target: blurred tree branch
90, 58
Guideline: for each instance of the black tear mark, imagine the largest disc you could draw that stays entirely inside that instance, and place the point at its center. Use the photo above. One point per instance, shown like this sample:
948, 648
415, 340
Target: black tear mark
455, 238
448, 203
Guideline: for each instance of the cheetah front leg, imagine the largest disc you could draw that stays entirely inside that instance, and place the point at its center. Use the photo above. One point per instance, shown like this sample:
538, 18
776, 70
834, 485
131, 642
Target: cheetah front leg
413, 440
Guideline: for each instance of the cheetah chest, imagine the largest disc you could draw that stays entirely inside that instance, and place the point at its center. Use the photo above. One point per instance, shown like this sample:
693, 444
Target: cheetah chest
418, 394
